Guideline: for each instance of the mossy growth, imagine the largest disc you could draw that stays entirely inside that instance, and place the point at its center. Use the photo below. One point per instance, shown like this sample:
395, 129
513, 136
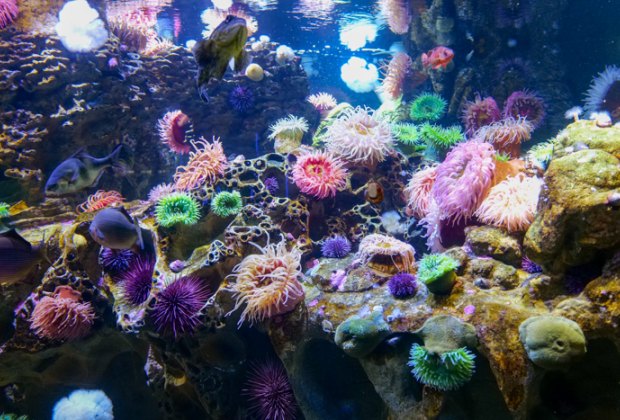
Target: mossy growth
359, 336
177, 208
445, 371
441, 138
437, 272
225, 204
427, 107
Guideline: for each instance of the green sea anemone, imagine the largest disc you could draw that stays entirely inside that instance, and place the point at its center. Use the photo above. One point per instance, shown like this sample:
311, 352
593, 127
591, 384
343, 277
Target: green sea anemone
445, 371
226, 203
177, 208
427, 107
439, 137
503, 157
408, 134
541, 153
436, 271
4, 210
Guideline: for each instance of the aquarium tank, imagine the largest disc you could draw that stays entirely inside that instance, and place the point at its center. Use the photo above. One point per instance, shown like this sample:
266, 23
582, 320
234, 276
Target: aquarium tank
309, 209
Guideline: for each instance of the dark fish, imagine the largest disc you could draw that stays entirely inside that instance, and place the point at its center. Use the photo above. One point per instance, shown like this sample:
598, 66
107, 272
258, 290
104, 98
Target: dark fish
80, 171
214, 53
17, 257
114, 228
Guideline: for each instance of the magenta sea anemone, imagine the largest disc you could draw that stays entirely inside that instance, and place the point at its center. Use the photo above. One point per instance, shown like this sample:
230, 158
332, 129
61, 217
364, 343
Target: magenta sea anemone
479, 113
336, 247
8, 12
604, 93
463, 179
269, 392
177, 309
522, 103
137, 280
402, 285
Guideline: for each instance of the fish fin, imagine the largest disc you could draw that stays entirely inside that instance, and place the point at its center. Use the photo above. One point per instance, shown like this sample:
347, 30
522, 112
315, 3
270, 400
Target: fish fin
242, 60
139, 242
125, 213
14, 236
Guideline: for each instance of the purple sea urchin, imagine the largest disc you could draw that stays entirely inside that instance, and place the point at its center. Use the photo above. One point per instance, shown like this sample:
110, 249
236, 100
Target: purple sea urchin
115, 261
269, 392
336, 247
241, 99
530, 266
137, 280
403, 285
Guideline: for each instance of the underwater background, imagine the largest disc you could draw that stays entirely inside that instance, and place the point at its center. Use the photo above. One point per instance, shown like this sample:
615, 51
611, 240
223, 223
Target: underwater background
309, 209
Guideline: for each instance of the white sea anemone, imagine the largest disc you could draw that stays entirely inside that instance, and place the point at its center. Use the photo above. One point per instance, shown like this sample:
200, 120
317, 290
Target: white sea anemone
79, 27
84, 405
358, 75
573, 113
322, 101
289, 126
600, 87
357, 30
284, 54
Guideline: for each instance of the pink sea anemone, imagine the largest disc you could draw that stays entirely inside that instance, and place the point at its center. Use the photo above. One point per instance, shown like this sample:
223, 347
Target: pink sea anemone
206, 163
358, 137
322, 102
319, 174
524, 104
479, 113
463, 179
418, 192
432, 225
8, 12
395, 74
100, 200
507, 135
511, 204
173, 127
396, 12
160, 191
62, 315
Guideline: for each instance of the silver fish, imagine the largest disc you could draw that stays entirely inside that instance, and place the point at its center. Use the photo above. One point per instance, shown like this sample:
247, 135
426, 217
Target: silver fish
80, 171
17, 257
114, 228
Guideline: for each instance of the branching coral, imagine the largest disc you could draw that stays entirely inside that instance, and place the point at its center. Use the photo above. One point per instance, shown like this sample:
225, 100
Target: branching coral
225, 204
267, 283
436, 271
396, 12
524, 104
507, 135
206, 163
427, 107
319, 174
173, 130
479, 113
445, 371
269, 392
177, 208
418, 192
395, 73
386, 255
100, 200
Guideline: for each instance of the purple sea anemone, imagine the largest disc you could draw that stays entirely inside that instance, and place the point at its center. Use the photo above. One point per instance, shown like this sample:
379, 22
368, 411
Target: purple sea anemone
269, 392
272, 185
402, 285
525, 104
177, 310
115, 261
530, 266
336, 247
241, 99
604, 93
137, 280
479, 113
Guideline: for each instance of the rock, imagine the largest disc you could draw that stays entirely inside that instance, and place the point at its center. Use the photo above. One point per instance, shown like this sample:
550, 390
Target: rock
495, 243
443, 333
358, 336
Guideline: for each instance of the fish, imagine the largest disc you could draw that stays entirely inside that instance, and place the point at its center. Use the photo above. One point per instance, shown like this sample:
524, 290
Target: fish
114, 228
79, 171
213, 54
437, 58
17, 257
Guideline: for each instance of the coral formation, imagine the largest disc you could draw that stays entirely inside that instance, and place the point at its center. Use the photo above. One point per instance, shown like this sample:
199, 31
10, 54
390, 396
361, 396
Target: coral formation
319, 174
177, 208
226, 204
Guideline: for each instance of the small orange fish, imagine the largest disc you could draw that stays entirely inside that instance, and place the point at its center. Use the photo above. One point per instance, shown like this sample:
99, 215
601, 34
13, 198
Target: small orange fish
437, 58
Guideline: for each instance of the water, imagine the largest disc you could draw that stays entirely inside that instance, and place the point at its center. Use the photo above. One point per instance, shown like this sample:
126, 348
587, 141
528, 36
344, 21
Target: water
319, 209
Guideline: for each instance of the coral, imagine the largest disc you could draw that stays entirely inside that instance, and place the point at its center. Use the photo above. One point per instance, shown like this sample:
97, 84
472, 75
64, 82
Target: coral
319, 174
8, 12
418, 192
177, 307
173, 128
269, 392
115, 261
395, 73
403, 285
287, 133
524, 104
511, 204
84, 404
604, 92
358, 336
226, 204
177, 208
427, 107
445, 371
440, 137
241, 98
137, 280
437, 272
160, 191
552, 342
507, 135
396, 12
322, 102
206, 163
336, 247
266, 283
100, 200
62, 315
463, 179
479, 113
357, 136
386, 255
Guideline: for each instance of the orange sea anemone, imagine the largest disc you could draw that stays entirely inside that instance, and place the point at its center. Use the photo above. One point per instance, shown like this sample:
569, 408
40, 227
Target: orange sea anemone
418, 192
396, 12
386, 255
395, 74
319, 174
207, 162
511, 204
507, 135
267, 283
100, 200
173, 128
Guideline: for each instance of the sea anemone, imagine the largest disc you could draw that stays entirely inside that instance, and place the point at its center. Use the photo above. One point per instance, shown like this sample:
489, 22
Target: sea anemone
573, 113
511, 204
137, 280
115, 261
604, 92
437, 272
241, 99
255, 72
284, 54
160, 191
271, 185
266, 283
83, 404
396, 12
62, 315
463, 179
4, 210
206, 163
431, 223
336, 247
133, 34
395, 73
287, 133
441, 138
407, 134
530, 266
100, 200
479, 113
8, 12
173, 130
427, 107
269, 392
403, 285
445, 371
225, 204
524, 104
386, 255
507, 135
178, 305
418, 192
322, 102
177, 208
357, 136
319, 174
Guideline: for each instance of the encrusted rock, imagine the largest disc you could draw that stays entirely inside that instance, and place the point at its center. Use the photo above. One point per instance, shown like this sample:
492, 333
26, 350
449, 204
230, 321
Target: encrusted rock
495, 243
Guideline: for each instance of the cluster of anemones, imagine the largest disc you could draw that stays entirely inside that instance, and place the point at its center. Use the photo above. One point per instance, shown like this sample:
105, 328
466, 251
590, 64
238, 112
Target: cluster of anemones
319, 174
100, 200
173, 128
395, 73
133, 35
206, 163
